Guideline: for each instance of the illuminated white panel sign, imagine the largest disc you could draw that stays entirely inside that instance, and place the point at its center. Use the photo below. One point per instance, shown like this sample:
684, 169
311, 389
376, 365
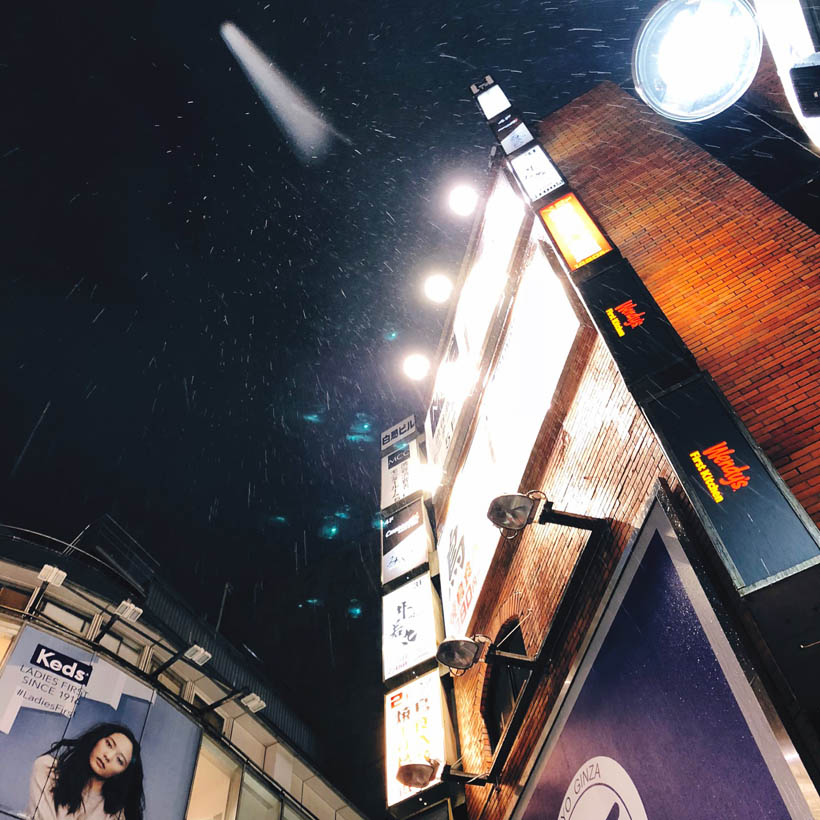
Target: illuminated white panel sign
517, 138
398, 432
406, 540
479, 301
537, 175
414, 730
408, 626
493, 101
401, 474
509, 418
511, 132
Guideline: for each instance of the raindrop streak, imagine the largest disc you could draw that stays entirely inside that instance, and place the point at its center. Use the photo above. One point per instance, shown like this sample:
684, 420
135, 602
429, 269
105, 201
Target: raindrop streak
30, 437
309, 134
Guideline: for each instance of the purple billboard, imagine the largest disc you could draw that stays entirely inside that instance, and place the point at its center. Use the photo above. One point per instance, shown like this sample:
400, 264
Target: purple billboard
660, 720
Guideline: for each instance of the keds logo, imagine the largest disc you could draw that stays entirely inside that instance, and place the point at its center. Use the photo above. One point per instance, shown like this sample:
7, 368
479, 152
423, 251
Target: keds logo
64, 666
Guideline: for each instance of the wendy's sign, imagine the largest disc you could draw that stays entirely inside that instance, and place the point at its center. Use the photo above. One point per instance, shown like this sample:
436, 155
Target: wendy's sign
759, 529
647, 349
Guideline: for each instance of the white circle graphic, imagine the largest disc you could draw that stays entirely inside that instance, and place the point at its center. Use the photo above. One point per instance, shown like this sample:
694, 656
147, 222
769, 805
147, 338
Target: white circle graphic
602, 790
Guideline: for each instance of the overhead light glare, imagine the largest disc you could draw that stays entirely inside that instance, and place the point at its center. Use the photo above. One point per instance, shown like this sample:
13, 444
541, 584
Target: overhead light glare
463, 200
416, 366
438, 287
694, 58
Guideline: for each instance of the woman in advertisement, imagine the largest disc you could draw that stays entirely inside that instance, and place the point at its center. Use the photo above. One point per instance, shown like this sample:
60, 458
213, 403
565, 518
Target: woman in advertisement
97, 776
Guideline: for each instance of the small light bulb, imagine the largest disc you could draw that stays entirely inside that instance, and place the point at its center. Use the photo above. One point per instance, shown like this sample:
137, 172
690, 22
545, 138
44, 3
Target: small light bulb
416, 366
463, 200
438, 287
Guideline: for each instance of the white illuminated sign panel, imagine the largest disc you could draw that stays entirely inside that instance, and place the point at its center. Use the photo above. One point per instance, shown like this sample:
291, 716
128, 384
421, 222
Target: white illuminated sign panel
401, 474
479, 301
398, 432
510, 416
512, 133
408, 626
537, 175
406, 540
493, 101
414, 730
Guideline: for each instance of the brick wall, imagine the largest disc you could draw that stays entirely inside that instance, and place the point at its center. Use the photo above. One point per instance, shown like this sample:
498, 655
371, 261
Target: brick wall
735, 275
595, 454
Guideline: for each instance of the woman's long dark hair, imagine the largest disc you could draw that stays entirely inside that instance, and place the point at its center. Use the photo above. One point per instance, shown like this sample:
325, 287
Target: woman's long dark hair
72, 771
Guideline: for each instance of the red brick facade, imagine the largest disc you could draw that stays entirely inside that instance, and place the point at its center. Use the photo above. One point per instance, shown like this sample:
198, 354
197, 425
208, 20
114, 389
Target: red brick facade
735, 275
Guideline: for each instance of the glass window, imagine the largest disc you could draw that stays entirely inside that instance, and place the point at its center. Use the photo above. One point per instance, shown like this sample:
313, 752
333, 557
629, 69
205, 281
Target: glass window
216, 785
290, 812
8, 631
127, 650
13, 598
70, 620
256, 801
506, 682
167, 678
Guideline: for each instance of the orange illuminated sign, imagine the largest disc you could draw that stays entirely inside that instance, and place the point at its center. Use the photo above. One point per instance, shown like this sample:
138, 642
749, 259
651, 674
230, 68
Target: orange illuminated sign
578, 238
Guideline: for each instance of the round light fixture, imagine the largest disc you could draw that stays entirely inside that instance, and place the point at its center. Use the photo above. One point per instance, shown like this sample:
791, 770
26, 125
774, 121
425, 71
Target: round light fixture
694, 58
458, 653
511, 512
416, 366
438, 287
463, 200
417, 775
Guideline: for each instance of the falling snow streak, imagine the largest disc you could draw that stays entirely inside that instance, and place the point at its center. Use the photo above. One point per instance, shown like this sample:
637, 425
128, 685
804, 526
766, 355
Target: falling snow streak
29, 439
309, 133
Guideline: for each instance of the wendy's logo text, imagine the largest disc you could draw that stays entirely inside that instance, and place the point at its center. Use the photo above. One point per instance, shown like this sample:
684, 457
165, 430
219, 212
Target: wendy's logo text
630, 316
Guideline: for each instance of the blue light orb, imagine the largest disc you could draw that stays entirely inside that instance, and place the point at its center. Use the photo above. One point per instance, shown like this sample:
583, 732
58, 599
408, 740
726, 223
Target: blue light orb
391, 335
355, 609
329, 528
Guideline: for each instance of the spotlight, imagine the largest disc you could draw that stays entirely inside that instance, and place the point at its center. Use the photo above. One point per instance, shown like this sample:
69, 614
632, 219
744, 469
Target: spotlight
464, 653
458, 653
463, 200
417, 775
512, 513
694, 58
416, 366
438, 287
51, 575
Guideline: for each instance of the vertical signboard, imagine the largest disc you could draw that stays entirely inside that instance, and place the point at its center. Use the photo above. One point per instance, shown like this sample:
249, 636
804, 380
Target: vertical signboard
414, 717
398, 432
409, 626
57, 699
401, 474
660, 720
406, 540
479, 303
510, 416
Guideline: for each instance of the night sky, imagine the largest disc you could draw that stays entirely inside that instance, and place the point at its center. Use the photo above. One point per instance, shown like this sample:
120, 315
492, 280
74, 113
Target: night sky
201, 336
